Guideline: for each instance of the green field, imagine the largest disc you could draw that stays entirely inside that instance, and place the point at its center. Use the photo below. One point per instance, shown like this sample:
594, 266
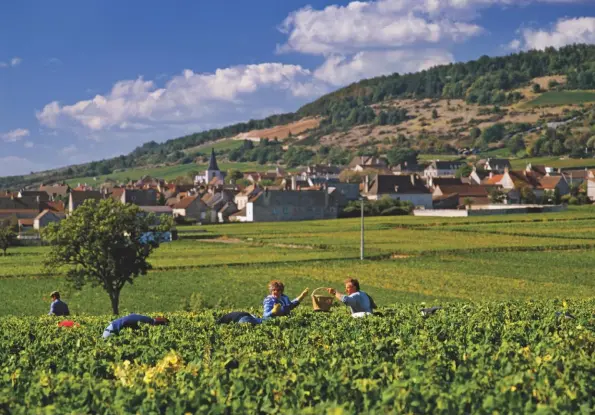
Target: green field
562, 98
553, 162
409, 259
221, 145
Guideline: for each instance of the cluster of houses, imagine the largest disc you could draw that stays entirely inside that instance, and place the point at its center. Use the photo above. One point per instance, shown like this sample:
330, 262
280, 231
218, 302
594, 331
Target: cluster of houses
315, 192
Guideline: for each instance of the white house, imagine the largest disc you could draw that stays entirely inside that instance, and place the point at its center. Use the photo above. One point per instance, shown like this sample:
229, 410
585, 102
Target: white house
443, 168
406, 188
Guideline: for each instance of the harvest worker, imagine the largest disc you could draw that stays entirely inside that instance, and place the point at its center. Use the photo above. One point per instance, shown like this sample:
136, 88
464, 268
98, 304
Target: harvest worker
278, 304
131, 321
58, 307
361, 304
239, 317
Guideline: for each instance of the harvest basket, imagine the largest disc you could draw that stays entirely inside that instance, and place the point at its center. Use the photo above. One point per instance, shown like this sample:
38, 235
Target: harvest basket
321, 302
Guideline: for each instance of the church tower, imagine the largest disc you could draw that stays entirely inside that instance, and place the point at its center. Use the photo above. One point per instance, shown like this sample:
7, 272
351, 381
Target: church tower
213, 169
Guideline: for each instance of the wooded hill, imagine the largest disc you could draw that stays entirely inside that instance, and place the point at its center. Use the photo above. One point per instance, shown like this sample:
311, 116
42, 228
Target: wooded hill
486, 81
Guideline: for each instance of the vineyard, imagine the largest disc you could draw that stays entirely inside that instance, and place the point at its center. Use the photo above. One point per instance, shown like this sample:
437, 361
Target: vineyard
516, 332
507, 357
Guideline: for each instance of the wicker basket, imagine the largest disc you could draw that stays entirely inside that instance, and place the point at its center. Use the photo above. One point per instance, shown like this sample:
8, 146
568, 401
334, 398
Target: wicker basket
321, 302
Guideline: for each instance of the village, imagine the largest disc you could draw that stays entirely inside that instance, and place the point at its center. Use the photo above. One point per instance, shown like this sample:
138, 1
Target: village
314, 192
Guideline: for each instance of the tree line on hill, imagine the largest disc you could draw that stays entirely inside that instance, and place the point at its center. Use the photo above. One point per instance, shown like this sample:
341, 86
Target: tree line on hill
483, 81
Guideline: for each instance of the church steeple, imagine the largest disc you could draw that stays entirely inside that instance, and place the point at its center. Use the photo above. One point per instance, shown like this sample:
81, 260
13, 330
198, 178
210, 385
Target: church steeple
213, 161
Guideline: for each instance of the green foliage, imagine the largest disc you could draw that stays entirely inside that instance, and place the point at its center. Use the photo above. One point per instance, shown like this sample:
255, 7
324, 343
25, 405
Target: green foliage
475, 132
297, 156
527, 195
383, 207
515, 144
493, 133
398, 155
7, 236
101, 243
536, 88
265, 152
464, 171
497, 196
505, 357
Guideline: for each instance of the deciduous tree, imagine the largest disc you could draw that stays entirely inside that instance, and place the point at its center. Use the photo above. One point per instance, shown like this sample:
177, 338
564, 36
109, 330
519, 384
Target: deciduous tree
104, 243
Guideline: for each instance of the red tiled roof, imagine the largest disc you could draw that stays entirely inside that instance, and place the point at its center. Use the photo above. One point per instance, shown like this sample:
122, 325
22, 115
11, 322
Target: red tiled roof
465, 190
494, 179
184, 203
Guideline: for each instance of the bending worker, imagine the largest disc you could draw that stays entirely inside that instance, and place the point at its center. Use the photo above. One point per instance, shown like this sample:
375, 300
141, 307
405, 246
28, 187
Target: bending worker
131, 321
361, 304
58, 307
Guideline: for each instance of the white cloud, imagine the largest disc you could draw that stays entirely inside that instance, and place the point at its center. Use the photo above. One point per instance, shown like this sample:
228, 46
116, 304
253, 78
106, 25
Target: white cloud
29, 144
14, 62
341, 70
382, 24
564, 32
189, 97
514, 44
15, 135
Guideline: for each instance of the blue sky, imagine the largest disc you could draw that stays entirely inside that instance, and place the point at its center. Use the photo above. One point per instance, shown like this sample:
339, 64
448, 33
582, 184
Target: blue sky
85, 80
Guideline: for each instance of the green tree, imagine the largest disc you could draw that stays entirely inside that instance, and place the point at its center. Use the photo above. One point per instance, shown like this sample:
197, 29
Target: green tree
104, 243
527, 195
536, 88
7, 236
464, 171
434, 114
399, 155
192, 174
497, 196
234, 175
516, 144
493, 133
475, 132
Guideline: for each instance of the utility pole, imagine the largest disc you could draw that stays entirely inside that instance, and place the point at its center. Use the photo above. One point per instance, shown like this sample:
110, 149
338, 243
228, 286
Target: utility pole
361, 245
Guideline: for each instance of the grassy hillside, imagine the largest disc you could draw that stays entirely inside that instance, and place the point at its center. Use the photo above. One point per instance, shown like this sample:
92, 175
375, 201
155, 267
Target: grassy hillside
167, 172
562, 98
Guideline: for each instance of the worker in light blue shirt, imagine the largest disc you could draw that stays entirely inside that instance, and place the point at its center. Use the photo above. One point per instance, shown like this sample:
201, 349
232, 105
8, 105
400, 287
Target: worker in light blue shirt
58, 307
131, 321
361, 304
278, 304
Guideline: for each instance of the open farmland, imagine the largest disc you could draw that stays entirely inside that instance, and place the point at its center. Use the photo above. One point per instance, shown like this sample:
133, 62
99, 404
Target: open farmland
231, 264
499, 343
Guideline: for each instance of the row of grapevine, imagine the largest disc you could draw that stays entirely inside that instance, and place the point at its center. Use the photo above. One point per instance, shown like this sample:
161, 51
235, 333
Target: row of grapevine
513, 357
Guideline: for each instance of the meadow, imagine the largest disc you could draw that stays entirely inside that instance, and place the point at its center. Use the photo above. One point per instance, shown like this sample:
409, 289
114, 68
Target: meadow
562, 98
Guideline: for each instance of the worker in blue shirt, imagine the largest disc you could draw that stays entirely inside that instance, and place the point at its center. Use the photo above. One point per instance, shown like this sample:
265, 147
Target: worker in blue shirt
58, 307
278, 304
131, 321
361, 304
